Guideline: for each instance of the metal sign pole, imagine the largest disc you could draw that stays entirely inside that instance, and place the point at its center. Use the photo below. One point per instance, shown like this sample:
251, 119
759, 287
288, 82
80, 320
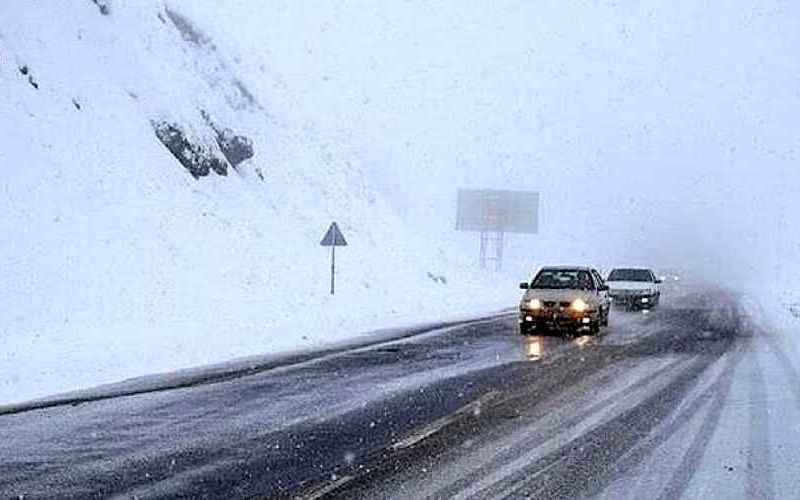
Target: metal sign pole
333, 266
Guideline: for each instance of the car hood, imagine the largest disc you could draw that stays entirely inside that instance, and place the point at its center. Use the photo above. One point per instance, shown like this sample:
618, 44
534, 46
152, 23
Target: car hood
557, 295
630, 285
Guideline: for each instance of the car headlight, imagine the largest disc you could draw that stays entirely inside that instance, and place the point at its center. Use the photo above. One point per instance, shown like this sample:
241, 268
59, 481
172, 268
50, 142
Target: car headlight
578, 305
535, 304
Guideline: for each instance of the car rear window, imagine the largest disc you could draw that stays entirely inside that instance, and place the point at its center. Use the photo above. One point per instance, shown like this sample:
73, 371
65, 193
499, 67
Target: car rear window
630, 275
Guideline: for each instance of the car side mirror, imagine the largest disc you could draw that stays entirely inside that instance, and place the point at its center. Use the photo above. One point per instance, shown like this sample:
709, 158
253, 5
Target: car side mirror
659, 280
524, 285
602, 288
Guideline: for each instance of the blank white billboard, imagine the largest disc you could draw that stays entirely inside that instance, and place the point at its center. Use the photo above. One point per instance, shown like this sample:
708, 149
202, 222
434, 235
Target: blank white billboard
498, 210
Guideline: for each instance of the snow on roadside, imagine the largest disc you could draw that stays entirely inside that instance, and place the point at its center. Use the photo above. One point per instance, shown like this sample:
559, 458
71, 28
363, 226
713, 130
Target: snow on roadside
84, 356
758, 435
778, 312
118, 263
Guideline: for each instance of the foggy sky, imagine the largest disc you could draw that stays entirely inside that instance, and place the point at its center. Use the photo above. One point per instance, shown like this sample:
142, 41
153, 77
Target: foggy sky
661, 131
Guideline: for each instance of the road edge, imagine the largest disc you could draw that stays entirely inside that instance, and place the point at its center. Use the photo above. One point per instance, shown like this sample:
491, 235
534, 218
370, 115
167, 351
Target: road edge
235, 368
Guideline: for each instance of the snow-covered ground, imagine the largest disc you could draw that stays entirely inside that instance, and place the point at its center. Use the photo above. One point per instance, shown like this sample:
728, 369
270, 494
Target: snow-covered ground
118, 263
777, 312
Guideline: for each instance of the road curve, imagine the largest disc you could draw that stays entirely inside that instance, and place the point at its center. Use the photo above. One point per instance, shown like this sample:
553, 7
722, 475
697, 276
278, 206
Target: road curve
467, 411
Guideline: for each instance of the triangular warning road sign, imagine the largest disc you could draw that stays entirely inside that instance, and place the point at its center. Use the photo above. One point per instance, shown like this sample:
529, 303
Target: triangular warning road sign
334, 237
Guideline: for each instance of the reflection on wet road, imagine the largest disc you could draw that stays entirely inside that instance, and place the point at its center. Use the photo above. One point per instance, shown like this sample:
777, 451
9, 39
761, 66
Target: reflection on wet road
538, 347
534, 348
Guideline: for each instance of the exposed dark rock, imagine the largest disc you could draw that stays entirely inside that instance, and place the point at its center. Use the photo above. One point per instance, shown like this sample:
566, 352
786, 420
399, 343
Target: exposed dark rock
26, 71
236, 148
187, 30
235, 91
438, 279
245, 93
198, 159
104, 6
76, 104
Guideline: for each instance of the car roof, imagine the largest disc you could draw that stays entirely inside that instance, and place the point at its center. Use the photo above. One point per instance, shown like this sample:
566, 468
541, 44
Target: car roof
631, 269
566, 268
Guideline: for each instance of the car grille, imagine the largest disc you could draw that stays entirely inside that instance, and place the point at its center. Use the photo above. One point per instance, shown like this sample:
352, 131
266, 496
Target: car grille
553, 303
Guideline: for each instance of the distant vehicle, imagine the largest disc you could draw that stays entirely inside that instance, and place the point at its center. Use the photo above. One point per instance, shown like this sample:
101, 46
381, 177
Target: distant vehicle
564, 298
634, 288
669, 275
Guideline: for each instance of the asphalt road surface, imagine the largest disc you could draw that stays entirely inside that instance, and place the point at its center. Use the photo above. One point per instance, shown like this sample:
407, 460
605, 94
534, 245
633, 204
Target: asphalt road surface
468, 411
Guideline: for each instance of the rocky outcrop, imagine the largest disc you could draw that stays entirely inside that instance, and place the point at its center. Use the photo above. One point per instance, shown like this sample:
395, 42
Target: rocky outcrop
236, 148
199, 159
104, 6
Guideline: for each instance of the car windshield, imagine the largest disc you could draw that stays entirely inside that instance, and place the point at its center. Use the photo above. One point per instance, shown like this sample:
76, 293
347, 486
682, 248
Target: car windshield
630, 275
563, 279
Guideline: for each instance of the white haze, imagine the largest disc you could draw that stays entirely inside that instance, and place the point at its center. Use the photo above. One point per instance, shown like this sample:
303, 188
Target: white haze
660, 132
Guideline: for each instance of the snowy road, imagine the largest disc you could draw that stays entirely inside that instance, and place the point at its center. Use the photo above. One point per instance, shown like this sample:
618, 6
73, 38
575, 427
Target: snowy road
468, 411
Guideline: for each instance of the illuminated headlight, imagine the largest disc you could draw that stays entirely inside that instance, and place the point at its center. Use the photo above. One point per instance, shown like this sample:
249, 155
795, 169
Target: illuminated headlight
645, 300
578, 305
535, 304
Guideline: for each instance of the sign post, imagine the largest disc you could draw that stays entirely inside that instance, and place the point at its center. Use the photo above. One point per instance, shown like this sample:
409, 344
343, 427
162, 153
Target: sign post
333, 238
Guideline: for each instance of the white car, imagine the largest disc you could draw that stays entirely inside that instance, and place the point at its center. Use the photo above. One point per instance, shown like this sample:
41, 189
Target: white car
634, 287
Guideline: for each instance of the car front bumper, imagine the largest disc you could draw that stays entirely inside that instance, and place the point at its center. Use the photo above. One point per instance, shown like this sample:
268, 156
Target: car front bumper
556, 319
634, 299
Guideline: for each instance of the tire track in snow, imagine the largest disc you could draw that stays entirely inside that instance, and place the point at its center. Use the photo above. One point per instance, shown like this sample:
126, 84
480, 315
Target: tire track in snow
718, 391
590, 467
516, 457
760, 482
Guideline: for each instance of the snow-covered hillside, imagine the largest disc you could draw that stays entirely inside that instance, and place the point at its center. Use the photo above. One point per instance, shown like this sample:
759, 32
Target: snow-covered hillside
118, 259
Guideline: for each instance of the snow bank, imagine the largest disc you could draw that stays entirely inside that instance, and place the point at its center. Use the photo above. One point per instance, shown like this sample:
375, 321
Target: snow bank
777, 312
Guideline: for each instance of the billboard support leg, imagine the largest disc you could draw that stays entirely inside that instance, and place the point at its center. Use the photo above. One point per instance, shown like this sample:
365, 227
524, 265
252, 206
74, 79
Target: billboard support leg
487, 239
482, 255
498, 264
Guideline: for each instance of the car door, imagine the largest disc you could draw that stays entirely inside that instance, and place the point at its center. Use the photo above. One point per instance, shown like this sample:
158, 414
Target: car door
602, 291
